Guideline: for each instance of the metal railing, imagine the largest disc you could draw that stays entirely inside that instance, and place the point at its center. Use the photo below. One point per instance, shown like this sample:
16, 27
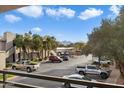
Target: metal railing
89, 84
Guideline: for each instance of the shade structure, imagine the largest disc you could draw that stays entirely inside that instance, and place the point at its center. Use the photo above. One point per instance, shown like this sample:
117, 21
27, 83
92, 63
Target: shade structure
5, 8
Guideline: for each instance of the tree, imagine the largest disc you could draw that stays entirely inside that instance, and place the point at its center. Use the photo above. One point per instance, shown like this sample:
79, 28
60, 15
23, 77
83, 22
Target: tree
27, 43
107, 40
50, 43
120, 38
37, 43
78, 47
86, 50
18, 42
100, 39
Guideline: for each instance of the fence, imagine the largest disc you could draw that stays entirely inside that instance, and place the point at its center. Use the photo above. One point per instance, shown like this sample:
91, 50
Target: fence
89, 84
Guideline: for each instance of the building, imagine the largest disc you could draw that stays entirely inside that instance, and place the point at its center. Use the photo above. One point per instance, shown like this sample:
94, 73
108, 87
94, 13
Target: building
70, 50
7, 49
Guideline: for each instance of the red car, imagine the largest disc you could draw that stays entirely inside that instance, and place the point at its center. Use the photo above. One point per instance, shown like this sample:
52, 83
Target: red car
55, 59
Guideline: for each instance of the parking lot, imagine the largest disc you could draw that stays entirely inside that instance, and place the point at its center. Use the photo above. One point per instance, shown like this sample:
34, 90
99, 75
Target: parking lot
57, 69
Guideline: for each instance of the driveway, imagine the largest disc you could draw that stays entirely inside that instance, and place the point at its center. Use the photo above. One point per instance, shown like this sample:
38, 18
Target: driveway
55, 69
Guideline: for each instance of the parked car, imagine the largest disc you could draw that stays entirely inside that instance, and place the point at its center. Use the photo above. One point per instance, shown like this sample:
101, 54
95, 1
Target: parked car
55, 59
102, 61
77, 77
64, 57
92, 69
25, 65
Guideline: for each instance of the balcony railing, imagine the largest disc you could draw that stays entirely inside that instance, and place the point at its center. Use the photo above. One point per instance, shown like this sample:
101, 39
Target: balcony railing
89, 84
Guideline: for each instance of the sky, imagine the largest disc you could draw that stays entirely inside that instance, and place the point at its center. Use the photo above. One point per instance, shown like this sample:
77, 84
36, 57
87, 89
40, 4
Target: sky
65, 22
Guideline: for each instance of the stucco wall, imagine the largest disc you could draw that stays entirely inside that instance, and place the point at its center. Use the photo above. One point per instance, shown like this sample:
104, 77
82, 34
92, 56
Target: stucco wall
9, 37
2, 45
2, 59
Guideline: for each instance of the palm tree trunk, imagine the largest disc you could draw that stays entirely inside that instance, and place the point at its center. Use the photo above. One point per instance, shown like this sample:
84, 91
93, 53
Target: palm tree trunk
32, 55
45, 53
48, 53
42, 54
38, 54
28, 54
20, 54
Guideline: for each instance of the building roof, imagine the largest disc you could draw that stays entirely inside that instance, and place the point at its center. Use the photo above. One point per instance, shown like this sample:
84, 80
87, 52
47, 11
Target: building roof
4, 8
65, 47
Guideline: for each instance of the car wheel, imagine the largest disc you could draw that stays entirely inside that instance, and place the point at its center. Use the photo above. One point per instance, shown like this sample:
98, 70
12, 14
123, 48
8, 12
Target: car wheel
14, 67
51, 61
81, 73
67, 85
29, 70
103, 75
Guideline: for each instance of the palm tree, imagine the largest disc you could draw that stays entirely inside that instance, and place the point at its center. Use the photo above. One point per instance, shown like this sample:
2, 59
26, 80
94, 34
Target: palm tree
27, 43
37, 43
79, 46
18, 41
45, 44
50, 44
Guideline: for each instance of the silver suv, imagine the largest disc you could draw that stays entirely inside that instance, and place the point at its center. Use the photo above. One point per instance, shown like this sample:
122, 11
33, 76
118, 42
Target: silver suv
92, 69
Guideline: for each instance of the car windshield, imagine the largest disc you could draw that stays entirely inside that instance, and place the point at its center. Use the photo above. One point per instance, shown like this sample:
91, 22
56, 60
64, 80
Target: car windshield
86, 78
103, 59
91, 67
83, 78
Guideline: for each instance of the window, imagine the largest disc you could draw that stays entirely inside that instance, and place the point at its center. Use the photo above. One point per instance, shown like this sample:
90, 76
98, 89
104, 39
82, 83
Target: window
91, 67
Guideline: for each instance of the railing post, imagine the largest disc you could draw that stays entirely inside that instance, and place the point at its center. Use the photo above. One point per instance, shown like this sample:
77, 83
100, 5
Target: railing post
89, 86
4, 79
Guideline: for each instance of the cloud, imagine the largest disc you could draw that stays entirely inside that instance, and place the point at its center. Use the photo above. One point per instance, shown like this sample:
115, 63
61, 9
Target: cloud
61, 12
31, 11
12, 18
115, 9
90, 13
36, 29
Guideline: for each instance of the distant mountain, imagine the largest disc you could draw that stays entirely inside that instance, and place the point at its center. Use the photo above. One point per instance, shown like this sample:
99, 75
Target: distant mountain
66, 42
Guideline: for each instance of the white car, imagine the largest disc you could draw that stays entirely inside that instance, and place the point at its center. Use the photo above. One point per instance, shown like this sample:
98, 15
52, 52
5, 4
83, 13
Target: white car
102, 61
77, 77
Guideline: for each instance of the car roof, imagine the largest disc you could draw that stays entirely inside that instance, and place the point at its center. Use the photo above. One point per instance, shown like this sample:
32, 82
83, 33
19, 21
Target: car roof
78, 76
92, 65
75, 75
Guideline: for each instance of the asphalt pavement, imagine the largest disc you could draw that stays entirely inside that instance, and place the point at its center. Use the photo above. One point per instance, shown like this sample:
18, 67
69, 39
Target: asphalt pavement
55, 69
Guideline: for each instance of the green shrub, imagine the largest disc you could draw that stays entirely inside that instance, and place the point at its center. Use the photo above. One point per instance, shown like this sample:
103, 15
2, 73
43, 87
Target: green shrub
33, 62
8, 76
35, 59
40, 59
8, 65
45, 58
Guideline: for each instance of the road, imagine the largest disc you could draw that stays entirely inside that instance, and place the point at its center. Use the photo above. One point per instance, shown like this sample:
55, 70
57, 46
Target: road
55, 69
